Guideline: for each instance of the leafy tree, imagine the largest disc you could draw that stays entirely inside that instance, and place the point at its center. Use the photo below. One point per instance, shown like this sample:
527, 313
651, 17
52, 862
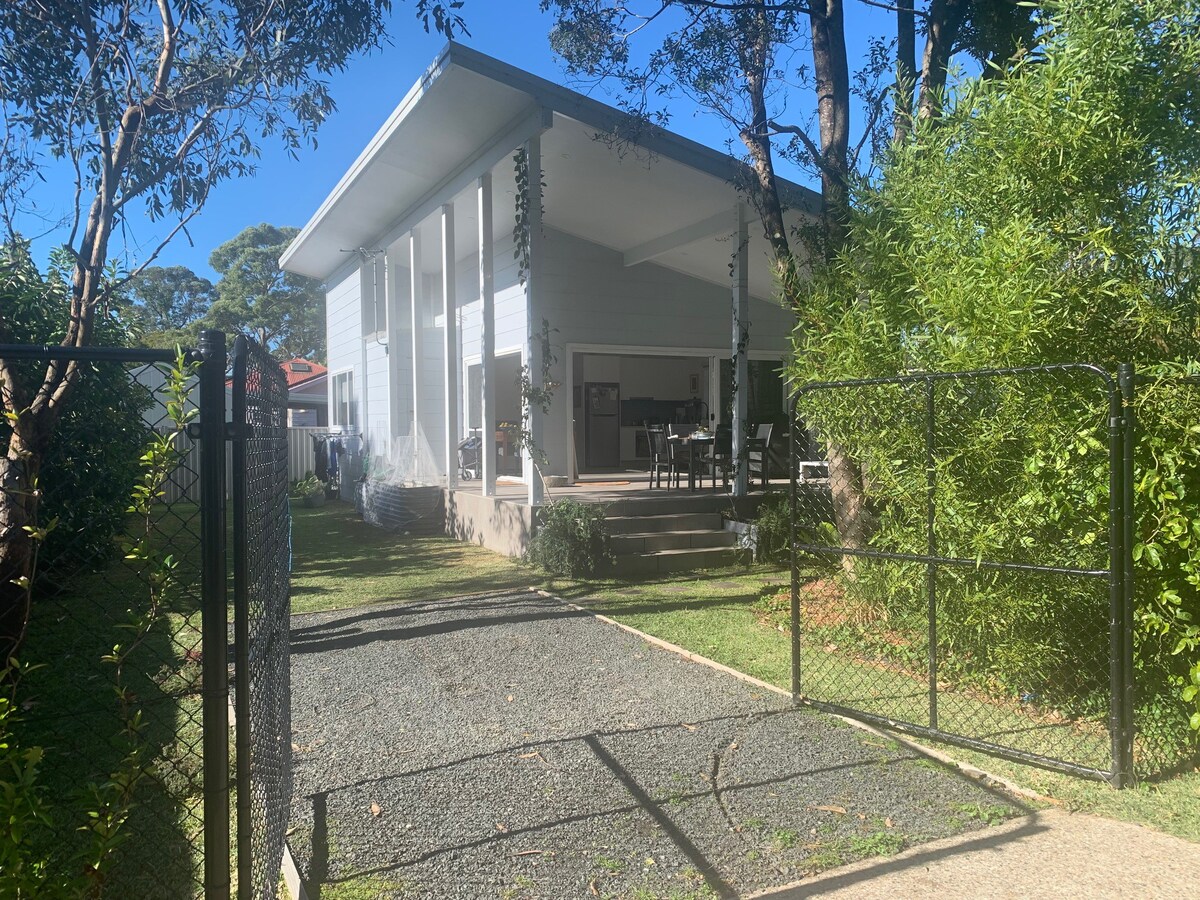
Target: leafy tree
1048, 218
151, 105
166, 302
86, 478
285, 311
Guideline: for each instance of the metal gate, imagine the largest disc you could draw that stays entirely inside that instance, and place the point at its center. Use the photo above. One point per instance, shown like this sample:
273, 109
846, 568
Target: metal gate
261, 565
961, 564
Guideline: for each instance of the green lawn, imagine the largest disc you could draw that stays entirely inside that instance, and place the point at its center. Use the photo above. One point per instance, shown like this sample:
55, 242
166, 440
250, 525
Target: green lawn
721, 614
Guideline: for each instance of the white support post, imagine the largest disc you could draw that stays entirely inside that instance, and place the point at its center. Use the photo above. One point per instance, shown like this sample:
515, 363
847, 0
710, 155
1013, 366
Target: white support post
740, 354
533, 317
487, 293
416, 295
397, 324
450, 345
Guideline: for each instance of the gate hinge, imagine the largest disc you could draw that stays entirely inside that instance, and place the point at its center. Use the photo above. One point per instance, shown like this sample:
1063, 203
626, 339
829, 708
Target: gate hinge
234, 431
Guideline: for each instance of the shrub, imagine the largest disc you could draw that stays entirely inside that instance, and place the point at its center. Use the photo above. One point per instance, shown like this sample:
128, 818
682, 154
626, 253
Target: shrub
92, 464
571, 539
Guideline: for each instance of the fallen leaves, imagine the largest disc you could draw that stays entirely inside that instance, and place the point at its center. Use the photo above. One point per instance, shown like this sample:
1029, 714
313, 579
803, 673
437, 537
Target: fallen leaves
840, 810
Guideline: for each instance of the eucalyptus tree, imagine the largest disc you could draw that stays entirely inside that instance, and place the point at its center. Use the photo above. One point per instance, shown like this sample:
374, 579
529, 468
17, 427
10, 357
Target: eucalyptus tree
149, 105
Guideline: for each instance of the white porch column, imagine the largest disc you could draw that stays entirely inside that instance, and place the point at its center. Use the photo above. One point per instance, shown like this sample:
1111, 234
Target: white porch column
487, 293
450, 345
740, 354
532, 354
398, 318
416, 294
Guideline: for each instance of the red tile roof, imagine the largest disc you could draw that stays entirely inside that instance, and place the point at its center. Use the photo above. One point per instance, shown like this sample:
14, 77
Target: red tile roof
300, 370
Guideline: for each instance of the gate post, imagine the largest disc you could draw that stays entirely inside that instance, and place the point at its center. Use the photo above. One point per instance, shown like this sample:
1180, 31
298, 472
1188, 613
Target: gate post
214, 616
794, 606
1127, 379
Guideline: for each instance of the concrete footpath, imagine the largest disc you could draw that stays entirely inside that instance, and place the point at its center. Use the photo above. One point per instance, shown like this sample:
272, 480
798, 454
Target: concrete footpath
1049, 854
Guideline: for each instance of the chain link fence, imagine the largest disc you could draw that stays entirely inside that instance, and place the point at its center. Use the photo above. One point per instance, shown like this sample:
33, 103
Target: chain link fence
262, 561
955, 568
973, 547
109, 685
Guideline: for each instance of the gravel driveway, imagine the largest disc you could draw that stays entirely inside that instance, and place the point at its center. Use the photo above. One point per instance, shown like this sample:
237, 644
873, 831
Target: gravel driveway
513, 747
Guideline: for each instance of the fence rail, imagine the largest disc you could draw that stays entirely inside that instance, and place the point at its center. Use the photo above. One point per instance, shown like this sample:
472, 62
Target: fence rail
184, 485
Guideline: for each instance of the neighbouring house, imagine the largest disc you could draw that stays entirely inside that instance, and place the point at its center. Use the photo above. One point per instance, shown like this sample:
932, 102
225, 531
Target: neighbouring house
308, 392
501, 228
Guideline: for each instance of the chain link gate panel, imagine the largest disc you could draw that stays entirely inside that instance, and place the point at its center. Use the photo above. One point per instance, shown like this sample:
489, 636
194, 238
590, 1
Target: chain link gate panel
959, 563
262, 560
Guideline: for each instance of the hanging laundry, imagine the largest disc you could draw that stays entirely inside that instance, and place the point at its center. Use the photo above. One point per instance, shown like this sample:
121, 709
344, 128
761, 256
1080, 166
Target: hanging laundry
335, 450
321, 466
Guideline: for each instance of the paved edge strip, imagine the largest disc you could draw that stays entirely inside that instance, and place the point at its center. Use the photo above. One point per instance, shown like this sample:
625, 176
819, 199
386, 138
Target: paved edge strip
970, 771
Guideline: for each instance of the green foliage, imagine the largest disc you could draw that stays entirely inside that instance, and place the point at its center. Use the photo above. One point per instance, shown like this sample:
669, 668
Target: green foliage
86, 478
285, 311
166, 305
571, 539
306, 487
773, 524
23, 810
1051, 217
30, 863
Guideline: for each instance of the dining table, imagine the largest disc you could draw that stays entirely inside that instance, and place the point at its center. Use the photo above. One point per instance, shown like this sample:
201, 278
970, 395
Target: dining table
694, 443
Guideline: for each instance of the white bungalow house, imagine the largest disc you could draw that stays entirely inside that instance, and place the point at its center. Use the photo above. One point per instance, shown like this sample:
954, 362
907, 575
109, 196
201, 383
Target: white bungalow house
643, 266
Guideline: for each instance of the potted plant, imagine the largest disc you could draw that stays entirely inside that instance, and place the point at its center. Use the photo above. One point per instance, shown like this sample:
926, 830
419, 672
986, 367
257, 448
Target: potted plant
310, 491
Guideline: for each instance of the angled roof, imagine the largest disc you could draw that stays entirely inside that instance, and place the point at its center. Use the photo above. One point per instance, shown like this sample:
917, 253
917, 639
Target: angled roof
299, 370
636, 198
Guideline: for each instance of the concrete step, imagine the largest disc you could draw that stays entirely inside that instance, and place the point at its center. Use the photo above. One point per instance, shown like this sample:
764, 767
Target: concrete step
652, 541
665, 502
684, 560
688, 521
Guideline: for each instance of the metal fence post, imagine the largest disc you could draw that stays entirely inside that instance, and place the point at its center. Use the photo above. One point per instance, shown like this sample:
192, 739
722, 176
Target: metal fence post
1117, 514
1127, 380
214, 619
241, 624
931, 548
792, 504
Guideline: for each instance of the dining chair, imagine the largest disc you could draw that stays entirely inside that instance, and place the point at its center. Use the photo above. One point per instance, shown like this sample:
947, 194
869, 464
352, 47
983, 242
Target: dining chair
721, 456
680, 457
660, 454
759, 452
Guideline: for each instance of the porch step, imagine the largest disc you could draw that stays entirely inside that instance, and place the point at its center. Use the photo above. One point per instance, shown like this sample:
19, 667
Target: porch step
652, 541
671, 542
687, 521
683, 560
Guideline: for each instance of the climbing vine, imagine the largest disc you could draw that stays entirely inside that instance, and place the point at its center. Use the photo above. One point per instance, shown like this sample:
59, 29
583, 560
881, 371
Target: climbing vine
522, 227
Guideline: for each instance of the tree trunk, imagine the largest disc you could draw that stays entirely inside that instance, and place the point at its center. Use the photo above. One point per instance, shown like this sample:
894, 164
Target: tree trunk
832, 82
906, 64
18, 511
850, 514
945, 20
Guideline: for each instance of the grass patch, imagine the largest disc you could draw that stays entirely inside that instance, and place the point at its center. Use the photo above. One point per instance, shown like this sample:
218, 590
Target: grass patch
340, 562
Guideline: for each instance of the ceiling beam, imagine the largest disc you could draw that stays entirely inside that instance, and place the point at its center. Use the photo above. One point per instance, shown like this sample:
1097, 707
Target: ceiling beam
721, 223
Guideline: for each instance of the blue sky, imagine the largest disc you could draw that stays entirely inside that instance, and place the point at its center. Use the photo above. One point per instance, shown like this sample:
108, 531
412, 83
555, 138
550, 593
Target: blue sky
287, 191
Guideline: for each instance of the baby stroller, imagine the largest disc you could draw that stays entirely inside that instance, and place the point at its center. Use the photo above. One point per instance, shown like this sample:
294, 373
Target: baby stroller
469, 457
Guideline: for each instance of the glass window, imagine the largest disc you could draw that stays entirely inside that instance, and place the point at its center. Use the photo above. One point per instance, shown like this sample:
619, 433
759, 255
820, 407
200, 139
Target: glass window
343, 400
